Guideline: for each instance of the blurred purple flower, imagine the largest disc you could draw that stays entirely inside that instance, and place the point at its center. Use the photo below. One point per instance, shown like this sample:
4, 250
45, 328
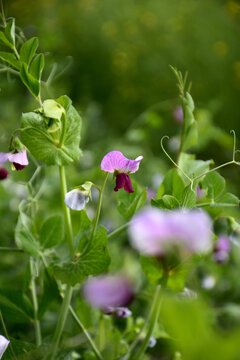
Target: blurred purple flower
19, 159
178, 114
153, 231
3, 345
119, 312
150, 194
200, 193
3, 173
108, 292
115, 162
221, 249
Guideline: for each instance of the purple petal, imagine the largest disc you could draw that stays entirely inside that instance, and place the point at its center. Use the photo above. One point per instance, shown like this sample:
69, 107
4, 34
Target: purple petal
108, 291
153, 231
178, 114
19, 158
3, 158
221, 249
116, 161
122, 312
3, 174
3, 345
123, 181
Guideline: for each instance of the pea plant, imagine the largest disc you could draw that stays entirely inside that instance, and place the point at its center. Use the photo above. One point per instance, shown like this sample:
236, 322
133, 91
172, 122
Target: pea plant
173, 237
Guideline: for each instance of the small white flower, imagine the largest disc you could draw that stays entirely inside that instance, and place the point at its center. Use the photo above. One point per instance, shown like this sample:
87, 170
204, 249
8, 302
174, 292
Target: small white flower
76, 199
3, 345
208, 282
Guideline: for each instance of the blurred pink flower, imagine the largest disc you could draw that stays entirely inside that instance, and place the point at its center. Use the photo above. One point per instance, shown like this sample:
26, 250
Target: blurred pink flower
108, 292
153, 231
115, 162
221, 249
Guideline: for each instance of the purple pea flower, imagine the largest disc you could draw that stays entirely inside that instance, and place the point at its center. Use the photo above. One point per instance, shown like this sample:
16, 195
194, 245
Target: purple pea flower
108, 293
153, 231
19, 159
178, 114
3, 345
115, 162
221, 249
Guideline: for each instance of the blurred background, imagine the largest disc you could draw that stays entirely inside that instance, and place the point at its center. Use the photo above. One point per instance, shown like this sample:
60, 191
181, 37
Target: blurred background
112, 58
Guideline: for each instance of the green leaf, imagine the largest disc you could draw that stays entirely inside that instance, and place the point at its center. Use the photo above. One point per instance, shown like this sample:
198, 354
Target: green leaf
28, 50
36, 67
166, 202
29, 81
23, 351
52, 232
23, 235
10, 32
93, 262
50, 293
43, 146
14, 306
52, 109
191, 166
227, 199
4, 40
172, 184
10, 59
130, 203
152, 268
214, 183
189, 197
190, 127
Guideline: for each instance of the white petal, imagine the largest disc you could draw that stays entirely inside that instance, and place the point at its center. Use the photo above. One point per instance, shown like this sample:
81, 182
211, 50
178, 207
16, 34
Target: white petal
3, 345
76, 199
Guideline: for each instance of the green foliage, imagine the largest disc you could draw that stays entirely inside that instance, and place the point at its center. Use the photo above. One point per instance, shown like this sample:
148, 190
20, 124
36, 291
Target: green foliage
52, 232
45, 146
28, 50
192, 167
15, 306
24, 236
190, 127
94, 261
166, 202
10, 59
31, 83
172, 184
128, 204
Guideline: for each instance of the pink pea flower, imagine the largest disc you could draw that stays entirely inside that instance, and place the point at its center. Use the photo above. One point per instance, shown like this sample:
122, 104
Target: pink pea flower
200, 193
115, 162
109, 293
3, 345
153, 231
19, 159
221, 249
178, 114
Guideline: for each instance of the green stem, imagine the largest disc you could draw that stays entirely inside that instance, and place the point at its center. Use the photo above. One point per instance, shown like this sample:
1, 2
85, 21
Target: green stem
68, 293
66, 210
11, 249
2, 14
35, 305
155, 309
118, 230
78, 321
61, 321
99, 205
91, 342
63, 130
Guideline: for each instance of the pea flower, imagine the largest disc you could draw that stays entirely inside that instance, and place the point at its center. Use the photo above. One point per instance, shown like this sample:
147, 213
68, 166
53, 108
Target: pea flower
178, 114
19, 159
3, 345
76, 199
153, 231
109, 293
115, 162
221, 249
